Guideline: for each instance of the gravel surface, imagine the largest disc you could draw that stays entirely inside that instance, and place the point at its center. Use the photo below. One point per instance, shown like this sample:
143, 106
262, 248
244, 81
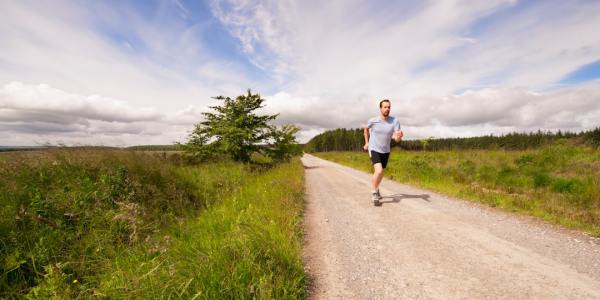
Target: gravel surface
422, 245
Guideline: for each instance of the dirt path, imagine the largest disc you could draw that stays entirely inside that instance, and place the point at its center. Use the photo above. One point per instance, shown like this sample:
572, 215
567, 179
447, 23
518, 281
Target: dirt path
421, 245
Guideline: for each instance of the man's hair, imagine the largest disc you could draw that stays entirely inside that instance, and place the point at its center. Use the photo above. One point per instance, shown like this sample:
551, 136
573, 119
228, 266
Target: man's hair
384, 100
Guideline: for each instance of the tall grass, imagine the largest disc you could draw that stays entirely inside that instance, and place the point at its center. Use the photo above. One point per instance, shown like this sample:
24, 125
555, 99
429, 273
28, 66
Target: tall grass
559, 183
71, 221
247, 245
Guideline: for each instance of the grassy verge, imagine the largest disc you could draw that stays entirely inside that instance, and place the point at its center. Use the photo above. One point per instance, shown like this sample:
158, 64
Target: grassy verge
248, 244
559, 183
85, 223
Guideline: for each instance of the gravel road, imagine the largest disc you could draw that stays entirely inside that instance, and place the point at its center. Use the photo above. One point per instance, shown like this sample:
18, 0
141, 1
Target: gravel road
422, 245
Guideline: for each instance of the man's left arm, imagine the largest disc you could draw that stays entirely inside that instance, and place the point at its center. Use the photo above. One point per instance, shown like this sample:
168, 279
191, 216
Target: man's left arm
398, 134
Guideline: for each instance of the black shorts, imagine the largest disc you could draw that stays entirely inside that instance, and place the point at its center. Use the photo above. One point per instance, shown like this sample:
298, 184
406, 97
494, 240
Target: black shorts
379, 158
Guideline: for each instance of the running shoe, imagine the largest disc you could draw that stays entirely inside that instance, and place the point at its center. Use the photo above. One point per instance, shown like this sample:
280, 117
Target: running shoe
376, 197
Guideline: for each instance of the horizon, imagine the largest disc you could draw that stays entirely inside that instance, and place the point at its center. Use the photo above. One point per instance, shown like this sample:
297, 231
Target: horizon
302, 143
117, 73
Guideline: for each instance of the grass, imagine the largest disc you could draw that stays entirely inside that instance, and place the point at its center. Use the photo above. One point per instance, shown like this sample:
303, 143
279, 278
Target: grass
94, 223
559, 183
247, 245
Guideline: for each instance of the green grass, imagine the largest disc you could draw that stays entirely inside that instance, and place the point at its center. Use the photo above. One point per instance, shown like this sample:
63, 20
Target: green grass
559, 183
89, 222
247, 244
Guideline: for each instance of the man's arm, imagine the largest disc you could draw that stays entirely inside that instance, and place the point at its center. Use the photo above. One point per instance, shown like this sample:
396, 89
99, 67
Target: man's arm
398, 134
366, 133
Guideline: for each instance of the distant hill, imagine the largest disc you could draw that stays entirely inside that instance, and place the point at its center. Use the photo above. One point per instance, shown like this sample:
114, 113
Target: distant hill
21, 148
136, 148
156, 148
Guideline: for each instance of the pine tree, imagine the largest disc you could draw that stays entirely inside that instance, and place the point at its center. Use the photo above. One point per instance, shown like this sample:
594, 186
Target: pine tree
236, 130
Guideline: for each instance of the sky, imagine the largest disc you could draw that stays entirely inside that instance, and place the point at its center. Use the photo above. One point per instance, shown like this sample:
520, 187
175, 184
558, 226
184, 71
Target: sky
121, 73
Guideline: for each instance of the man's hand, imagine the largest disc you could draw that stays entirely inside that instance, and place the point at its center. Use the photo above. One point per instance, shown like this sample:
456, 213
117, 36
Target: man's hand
398, 136
366, 147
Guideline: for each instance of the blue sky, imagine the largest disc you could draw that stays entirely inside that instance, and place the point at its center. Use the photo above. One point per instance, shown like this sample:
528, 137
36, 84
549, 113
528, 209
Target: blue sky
194, 16
584, 73
141, 72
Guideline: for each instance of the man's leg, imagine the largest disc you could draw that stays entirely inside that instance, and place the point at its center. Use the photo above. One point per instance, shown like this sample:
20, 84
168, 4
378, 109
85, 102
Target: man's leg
377, 176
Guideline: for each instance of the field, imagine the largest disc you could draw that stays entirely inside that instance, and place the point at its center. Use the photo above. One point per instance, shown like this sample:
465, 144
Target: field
116, 223
559, 183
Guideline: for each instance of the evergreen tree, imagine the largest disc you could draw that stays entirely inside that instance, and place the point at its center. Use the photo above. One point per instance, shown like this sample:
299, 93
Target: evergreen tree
234, 129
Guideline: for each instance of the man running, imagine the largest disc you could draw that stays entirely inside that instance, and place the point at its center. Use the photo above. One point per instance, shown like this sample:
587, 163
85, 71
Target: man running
378, 135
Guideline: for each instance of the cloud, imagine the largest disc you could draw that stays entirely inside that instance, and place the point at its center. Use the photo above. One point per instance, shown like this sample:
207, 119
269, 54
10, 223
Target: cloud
450, 67
572, 108
471, 113
123, 73
435, 48
43, 113
97, 73
115, 51
42, 101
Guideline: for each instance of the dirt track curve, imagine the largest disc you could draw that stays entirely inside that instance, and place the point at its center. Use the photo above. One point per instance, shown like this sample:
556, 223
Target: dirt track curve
422, 245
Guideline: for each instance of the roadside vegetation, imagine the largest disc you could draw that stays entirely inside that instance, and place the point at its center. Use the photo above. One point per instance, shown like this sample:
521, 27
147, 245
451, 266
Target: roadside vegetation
558, 182
248, 244
109, 223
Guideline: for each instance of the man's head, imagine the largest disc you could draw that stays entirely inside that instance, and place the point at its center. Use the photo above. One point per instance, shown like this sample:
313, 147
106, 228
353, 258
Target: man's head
384, 107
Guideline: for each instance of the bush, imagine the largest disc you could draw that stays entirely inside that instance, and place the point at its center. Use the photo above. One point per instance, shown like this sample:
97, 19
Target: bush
541, 179
563, 185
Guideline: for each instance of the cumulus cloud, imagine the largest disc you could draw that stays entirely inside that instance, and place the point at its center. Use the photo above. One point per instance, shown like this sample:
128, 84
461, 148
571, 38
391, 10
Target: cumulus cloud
471, 113
43, 113
20, 101
573, 108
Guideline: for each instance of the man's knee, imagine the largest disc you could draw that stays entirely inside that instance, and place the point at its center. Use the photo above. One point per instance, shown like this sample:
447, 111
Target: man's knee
378, 168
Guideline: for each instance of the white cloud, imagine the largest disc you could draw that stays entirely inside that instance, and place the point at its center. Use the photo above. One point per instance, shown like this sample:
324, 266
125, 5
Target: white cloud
473, 112
342, 57
61, 73
43, 114
451, 68
43, 99
68, 46
263, 34
515, 108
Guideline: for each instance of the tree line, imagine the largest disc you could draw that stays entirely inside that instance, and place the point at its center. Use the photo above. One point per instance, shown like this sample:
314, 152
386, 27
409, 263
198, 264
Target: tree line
343, 139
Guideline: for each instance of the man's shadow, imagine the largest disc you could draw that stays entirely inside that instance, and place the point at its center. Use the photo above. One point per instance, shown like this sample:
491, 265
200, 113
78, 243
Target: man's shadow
397, 198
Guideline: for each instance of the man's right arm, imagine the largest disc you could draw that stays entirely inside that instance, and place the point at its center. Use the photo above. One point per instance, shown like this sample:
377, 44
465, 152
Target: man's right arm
366, 133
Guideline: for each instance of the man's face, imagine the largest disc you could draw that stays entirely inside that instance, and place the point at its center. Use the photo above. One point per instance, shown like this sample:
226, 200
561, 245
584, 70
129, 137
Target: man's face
385, 109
